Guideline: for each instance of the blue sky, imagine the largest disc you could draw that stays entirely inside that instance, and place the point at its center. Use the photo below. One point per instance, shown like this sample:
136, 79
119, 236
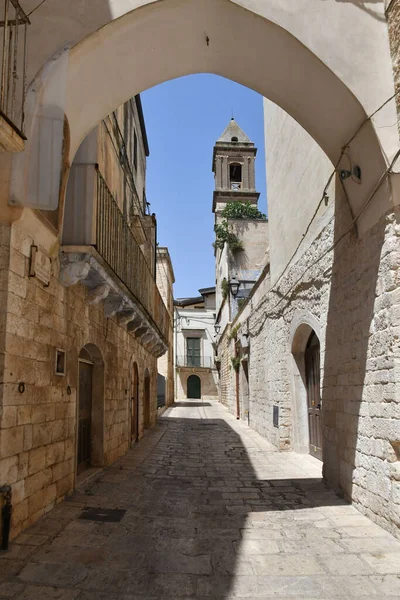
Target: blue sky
184, 118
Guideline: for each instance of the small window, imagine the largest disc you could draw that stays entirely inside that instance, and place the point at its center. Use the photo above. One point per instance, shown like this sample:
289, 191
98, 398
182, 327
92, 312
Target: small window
234, 139
60, 362
85, 355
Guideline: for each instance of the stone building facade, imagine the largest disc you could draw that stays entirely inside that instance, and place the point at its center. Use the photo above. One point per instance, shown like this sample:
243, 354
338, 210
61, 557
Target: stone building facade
326, 287
79, 337
165, 365
196, 373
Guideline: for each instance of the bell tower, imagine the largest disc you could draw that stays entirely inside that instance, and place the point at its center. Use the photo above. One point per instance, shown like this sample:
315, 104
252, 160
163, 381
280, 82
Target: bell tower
233, 167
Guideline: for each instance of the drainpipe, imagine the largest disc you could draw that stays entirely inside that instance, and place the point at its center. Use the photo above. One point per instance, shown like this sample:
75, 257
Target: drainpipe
6, 516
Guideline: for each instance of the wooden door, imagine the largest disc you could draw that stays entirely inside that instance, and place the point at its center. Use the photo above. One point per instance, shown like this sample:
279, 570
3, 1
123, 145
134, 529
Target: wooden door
135, 405
312, 358
194, 387
84, 416
146, 402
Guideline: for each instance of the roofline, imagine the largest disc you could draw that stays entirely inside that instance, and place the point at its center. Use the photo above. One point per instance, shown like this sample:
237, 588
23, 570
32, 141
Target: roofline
207, 290
185, 301
142, 124
163, 250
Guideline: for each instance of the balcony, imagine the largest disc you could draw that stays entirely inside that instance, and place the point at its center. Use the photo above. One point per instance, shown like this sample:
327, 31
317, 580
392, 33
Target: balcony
13, 52
195, 362
100, 250
236, 186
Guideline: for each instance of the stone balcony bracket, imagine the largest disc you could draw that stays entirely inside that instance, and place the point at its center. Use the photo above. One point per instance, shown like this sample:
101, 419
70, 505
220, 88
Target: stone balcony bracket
89, 269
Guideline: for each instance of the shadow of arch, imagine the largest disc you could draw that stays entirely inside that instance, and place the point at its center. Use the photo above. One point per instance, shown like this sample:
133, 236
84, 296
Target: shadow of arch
90, 434
146, 400
303, 325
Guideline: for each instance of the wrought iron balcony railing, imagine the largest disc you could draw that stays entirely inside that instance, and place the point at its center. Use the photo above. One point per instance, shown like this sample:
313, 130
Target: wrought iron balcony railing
13, 49
116, 244
205, 362
236, 186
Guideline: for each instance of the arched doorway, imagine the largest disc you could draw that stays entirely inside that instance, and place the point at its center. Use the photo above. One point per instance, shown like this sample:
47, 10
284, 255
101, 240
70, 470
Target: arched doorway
312, 369
193, 387
90, 410
85, 411
135, 404
146, 400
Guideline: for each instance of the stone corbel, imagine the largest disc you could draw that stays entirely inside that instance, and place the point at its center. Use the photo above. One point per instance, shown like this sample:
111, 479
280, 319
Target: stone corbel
152, 345
126, 317
142, 331
162, 350
113, 305
135, 324
74, 268
147, 339
98, 294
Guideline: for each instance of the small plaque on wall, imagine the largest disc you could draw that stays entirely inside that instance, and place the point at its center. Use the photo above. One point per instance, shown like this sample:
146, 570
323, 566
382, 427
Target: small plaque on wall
40, 266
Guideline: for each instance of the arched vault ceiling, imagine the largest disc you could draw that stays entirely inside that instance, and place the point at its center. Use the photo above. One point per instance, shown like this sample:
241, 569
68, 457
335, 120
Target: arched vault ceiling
349, 36
325, 62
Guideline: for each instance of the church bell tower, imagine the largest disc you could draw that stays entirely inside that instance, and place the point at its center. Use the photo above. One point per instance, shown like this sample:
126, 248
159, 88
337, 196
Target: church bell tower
234, 170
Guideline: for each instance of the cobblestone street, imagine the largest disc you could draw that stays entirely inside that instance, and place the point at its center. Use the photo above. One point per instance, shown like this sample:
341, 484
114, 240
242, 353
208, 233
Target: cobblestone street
207, 510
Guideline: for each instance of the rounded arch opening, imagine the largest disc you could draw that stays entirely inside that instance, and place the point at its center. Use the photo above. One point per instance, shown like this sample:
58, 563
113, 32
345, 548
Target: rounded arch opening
305, 334
193, 387
283, 69
90, 408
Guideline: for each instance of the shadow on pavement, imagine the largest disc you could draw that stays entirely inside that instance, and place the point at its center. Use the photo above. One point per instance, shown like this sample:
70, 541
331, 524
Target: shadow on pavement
197, 522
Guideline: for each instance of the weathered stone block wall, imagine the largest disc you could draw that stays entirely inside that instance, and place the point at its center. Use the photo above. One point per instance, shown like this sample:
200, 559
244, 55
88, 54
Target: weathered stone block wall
351, 291
227, 374
38, 418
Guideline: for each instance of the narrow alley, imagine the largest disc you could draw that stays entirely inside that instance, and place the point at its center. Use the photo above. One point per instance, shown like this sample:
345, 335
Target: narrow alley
203, 507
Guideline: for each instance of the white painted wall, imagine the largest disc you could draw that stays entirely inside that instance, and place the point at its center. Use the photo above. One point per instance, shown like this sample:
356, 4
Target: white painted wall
297, 172
196, 321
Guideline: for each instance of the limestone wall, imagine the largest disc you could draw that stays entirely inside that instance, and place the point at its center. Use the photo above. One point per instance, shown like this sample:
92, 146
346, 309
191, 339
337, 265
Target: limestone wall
38, 408
350, 296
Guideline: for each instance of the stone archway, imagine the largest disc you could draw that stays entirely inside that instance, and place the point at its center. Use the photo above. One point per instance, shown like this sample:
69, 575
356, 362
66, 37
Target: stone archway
289, 65
90, 409
303, 325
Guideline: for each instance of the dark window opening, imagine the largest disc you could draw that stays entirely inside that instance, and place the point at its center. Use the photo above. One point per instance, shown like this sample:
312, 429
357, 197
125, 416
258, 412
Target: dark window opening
234, 139
235, 176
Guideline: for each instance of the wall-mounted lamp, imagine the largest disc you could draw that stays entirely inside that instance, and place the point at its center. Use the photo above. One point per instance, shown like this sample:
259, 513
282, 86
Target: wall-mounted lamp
234, 286
217, 328
355, 172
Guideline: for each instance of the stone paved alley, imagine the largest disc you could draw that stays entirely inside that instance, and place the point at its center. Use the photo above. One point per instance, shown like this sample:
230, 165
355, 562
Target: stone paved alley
211, 511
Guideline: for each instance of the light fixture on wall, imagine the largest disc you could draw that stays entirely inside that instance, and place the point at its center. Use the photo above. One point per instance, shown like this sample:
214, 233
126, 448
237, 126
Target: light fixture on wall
217, 328
234, 286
